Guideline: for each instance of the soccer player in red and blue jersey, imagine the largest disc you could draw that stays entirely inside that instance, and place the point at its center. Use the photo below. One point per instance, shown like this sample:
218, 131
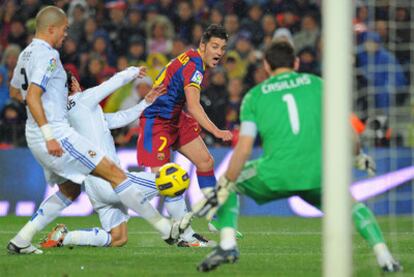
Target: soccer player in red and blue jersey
164, 125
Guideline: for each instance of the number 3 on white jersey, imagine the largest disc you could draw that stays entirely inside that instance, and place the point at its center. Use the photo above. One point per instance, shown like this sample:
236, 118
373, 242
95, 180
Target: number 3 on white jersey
293, 113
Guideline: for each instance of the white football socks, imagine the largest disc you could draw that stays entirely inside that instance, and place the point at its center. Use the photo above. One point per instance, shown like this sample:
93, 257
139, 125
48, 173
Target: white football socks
132, 197
163, 226
48, 211
382, 253
177, 208
227, 238
88, 237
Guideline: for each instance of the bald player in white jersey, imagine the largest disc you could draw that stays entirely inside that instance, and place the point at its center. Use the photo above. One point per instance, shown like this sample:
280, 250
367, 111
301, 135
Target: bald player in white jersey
66, 157
88, 119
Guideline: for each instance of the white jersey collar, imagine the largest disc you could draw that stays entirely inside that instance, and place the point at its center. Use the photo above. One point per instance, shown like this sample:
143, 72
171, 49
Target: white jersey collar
41, 41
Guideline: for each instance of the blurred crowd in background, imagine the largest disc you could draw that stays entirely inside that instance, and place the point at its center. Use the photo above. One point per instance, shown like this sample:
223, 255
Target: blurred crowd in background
107, 36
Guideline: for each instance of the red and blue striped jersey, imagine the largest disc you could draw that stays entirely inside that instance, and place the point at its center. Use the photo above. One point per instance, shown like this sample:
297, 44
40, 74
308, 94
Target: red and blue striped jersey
185, 70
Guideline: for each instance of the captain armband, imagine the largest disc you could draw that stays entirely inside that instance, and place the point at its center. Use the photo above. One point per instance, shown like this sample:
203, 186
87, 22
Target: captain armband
248, 128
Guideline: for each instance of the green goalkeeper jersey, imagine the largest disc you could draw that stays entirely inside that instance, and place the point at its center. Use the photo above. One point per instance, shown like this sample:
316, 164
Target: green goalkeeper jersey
286, 109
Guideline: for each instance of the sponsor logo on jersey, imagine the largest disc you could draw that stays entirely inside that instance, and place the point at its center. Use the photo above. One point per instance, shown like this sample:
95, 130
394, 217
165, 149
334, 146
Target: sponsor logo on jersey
52, 65
160, 156
92, 153
197, 77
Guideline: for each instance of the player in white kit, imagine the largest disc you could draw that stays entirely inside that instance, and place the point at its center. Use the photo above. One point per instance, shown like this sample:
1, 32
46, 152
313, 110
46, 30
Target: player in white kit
66, 157
87, 118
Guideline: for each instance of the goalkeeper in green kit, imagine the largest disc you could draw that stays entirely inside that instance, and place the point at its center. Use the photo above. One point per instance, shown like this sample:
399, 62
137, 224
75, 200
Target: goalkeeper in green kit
285, 110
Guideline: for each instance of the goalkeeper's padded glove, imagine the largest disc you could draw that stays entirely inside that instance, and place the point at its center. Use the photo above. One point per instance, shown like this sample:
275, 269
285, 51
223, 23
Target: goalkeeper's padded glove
214, 199
366, 163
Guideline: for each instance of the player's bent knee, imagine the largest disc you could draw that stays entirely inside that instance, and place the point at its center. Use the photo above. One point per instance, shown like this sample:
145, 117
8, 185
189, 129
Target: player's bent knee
119, 235
119, 241
70, 190
206, 164
109, 171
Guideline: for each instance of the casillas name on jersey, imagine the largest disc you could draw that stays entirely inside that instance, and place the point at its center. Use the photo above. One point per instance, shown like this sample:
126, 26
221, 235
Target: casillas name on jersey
185, 70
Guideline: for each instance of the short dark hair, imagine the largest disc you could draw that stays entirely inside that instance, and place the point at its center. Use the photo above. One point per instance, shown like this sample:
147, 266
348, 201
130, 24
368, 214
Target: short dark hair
69, 80
216, 31
280, 54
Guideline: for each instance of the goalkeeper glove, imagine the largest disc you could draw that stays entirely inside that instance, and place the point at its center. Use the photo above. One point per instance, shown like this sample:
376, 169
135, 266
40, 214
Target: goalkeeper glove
366, 163
214, 199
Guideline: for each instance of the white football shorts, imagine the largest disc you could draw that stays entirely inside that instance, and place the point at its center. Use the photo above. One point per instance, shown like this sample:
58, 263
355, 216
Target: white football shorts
79, 159
106, 202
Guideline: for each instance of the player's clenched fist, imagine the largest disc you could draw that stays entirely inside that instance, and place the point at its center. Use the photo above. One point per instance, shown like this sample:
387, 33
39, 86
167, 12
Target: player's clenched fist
54, 148
225, 135
142, 72
154, 93
134, 72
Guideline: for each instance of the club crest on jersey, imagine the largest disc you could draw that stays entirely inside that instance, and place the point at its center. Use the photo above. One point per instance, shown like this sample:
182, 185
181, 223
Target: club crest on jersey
197, 77
52, 65
92, 154
160, 156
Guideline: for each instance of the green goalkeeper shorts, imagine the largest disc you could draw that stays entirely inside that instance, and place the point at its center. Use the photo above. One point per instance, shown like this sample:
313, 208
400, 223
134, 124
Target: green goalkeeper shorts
249, 183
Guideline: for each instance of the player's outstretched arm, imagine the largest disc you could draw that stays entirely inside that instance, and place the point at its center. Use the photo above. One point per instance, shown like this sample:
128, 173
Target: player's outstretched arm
125, 117
34, 102
154, 93
194, 107
93, 96
209, 206
241, 154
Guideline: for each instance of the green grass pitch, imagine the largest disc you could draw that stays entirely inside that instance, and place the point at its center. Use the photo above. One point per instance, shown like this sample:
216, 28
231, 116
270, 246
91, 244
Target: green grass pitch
272, 246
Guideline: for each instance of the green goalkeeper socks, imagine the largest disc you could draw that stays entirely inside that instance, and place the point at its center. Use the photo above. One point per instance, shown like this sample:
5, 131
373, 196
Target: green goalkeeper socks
228, 213
366, 224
